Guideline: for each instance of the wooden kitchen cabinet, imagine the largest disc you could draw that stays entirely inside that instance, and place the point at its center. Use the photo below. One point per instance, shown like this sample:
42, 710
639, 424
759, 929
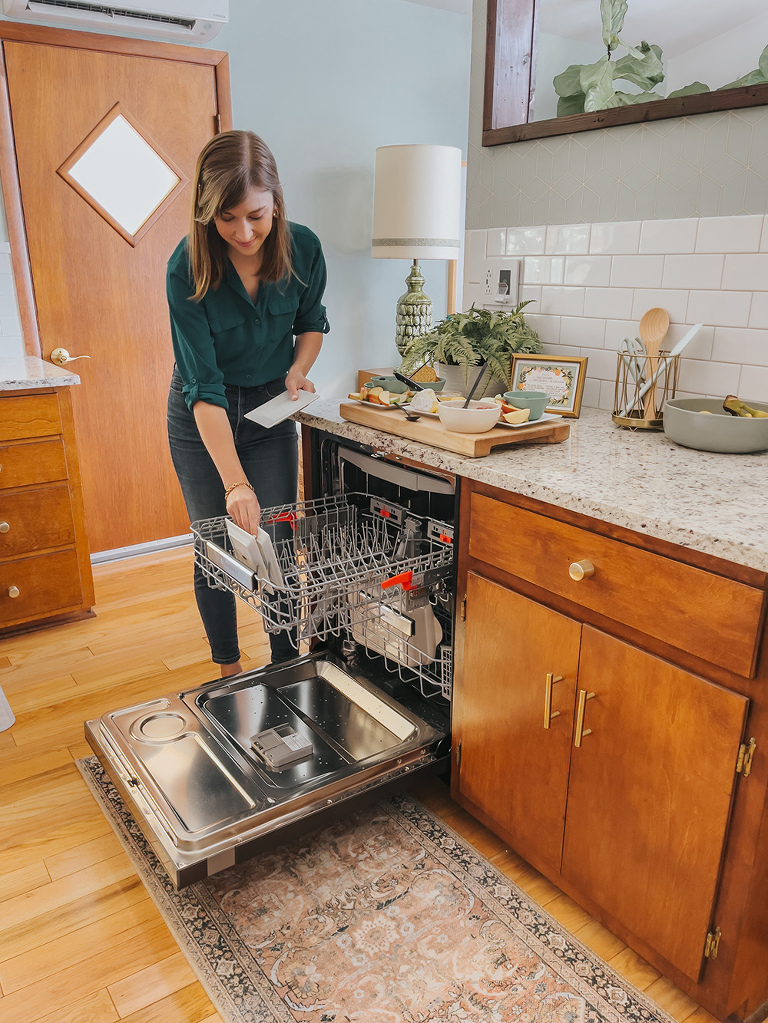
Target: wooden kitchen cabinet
633, 800
45, 570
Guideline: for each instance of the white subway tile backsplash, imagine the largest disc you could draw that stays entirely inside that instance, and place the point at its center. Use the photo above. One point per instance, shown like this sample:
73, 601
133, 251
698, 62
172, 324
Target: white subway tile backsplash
615, 239
591, 283
6, 285
758, 316
675, 302
10, 325
5, 263
719, 308
496, 242
525, 241
736, 344
592, 270
570, 238
610, 303
581, 330
753, 384
701, 377
544, 269
704, 271
637, 271
11, 347
729, 234
665, 236
563, 301
746, 272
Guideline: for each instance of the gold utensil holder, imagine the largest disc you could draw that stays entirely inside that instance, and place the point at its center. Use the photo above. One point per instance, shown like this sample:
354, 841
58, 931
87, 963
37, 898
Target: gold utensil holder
638, 411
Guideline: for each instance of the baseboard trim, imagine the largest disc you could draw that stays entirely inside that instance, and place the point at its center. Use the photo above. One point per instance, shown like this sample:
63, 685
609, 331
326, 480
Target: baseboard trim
151, 547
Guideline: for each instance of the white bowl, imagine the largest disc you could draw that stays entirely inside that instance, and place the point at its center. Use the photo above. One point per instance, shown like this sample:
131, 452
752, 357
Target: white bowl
685, 424
480, 417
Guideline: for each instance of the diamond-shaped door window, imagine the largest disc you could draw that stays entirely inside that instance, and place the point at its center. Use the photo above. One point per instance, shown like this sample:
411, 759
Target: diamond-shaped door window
122, 175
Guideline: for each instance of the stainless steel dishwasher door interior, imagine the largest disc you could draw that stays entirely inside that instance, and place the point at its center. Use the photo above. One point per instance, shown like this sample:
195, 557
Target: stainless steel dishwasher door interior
188, 769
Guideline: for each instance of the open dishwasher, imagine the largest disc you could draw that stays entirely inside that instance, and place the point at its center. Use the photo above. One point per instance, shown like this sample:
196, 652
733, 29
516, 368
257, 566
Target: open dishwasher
363, 582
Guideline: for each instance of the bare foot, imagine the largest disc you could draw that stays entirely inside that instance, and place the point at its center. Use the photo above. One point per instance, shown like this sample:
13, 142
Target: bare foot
230, 669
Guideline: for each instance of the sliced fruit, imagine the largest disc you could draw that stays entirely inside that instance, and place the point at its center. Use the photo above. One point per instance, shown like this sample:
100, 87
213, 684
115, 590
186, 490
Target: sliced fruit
737, 407
357, 395
518, 415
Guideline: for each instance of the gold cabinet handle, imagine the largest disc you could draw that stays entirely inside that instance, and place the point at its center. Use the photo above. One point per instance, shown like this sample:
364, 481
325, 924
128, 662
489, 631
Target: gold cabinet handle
4, 527
582, 706
13, 591
548, 712
60, 357
581, 570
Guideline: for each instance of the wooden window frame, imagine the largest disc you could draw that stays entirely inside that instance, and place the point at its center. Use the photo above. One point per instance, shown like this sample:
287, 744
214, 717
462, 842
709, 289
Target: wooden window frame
510, 73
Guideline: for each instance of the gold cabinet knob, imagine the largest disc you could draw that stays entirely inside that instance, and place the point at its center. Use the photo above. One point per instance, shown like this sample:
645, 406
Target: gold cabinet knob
581, 570
60, 357
4, 527
13, 591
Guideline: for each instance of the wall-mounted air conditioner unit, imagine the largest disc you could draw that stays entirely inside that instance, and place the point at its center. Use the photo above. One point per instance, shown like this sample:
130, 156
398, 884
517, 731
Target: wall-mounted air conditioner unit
184, 20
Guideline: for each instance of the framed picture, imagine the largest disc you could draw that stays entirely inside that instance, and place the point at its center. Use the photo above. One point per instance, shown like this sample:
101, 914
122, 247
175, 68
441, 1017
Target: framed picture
559, 376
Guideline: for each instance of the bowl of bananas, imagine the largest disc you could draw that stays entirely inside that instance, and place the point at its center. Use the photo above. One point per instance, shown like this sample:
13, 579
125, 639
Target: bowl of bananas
731, 426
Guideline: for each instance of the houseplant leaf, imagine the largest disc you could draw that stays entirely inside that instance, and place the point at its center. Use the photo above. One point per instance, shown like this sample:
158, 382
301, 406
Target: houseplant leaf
612, 13
629, 99
597, 80
646, 72
690, 90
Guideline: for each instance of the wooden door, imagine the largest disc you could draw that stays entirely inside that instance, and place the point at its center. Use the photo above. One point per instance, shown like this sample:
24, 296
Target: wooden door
513, 768
97, 291
650, 794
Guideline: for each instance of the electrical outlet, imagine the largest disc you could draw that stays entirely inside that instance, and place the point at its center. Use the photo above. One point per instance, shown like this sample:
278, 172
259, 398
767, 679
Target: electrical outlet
501, 281
489, 282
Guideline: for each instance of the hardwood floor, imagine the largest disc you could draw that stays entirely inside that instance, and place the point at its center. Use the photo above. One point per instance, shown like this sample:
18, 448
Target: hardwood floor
80, 939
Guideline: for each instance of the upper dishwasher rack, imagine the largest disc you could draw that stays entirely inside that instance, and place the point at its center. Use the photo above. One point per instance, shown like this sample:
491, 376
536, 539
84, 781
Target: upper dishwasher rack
334, 554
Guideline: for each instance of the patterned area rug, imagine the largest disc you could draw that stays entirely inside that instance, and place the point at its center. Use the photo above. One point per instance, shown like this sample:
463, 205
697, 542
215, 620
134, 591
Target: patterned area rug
386, 917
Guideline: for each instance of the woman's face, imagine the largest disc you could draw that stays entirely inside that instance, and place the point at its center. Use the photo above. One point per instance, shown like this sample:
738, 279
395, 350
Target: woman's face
245, 227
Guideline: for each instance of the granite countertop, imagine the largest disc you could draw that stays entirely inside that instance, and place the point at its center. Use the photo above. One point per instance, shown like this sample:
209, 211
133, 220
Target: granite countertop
26, 372
716, 504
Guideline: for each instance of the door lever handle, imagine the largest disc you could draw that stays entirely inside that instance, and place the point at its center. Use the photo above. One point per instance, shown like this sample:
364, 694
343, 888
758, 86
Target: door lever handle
60, 357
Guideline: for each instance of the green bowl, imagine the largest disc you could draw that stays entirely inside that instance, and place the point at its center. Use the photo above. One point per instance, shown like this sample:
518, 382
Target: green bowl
536, 401
391, 384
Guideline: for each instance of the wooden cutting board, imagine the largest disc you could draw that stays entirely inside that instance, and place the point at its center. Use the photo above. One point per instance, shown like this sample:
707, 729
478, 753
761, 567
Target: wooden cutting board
432, 431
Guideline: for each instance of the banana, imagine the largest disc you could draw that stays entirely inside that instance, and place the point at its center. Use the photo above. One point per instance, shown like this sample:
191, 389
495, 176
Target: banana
737, 407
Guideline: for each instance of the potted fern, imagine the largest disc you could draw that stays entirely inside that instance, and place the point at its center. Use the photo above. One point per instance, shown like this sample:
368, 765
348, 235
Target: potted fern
463, 341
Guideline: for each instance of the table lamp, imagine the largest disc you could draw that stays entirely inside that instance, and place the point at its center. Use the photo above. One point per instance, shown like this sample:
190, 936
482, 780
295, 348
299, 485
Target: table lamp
416, 215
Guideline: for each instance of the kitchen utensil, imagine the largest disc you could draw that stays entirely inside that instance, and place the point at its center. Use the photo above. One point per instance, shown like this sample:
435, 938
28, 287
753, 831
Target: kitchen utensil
474, 386
653, 329
477, 418
411, 383
665, 363
534, 401
686, 422
635, 358
412, 416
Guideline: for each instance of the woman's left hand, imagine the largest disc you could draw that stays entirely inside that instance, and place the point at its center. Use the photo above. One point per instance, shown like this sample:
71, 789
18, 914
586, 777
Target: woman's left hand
295, 381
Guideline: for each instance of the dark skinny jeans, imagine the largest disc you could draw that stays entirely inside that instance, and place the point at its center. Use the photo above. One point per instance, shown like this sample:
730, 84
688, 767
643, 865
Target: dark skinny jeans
271, 463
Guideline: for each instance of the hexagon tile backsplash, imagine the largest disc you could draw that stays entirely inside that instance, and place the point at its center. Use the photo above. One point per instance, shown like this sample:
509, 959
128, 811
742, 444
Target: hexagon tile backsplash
591, 283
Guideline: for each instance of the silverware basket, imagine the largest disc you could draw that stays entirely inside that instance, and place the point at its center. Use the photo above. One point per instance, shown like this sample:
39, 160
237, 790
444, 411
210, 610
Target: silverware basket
643, 384
345, 560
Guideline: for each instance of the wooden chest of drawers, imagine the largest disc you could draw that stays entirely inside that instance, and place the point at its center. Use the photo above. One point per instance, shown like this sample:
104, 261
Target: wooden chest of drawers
45, 571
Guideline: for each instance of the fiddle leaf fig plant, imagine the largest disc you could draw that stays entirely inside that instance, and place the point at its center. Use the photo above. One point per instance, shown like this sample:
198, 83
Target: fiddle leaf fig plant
584, 88
473, 338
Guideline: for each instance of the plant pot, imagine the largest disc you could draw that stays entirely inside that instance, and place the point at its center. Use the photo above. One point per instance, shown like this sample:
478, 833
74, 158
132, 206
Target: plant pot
457, 383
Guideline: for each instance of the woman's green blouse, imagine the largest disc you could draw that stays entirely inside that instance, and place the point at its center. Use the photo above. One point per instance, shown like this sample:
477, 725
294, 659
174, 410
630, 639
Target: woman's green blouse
228, 339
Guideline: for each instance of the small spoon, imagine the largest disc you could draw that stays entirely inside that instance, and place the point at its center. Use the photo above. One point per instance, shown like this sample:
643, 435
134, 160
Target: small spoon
653, 329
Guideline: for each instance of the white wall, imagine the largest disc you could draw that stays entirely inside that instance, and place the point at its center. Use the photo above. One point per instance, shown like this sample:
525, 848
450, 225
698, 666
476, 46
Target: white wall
324, 85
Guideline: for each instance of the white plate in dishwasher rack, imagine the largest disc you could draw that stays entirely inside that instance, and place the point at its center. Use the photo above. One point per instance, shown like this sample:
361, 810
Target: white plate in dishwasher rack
257, 553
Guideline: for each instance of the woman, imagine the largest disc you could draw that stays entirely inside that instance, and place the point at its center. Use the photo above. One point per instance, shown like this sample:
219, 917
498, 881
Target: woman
240, 287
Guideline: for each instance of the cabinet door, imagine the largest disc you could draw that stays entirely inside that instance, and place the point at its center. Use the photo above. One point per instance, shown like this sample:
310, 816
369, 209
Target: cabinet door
513, 768
650, 794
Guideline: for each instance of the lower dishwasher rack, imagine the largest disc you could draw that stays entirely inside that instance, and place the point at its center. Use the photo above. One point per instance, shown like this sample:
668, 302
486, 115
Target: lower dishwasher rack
351, 565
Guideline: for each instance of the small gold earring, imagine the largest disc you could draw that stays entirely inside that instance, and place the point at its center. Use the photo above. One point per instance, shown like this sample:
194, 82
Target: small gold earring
274, 213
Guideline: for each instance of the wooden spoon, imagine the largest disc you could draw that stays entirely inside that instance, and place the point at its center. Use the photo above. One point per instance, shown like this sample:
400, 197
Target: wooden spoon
653, 329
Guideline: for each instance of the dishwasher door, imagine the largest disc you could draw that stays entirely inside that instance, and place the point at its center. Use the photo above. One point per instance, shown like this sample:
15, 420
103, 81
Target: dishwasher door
218, 773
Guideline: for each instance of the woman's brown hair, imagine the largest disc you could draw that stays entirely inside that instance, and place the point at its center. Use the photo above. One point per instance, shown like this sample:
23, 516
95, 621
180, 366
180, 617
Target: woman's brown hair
230, 165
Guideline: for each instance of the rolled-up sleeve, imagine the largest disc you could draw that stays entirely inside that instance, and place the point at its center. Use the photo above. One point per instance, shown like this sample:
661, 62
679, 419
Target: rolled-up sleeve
193, 345
311, 316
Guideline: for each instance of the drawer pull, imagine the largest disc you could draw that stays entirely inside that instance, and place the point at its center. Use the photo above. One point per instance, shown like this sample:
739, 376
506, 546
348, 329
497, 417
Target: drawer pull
13, 591
548, 712
581, 570
4, 527
582, 706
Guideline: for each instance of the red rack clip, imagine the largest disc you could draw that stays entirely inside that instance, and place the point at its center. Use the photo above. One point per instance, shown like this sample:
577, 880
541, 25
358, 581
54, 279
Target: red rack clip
405, 579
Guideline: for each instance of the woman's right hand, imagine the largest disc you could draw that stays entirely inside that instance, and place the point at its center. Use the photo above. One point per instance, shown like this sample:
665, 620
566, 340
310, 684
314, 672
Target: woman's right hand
244, 507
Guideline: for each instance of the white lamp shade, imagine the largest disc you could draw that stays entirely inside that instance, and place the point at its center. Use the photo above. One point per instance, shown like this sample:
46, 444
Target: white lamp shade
417, 202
